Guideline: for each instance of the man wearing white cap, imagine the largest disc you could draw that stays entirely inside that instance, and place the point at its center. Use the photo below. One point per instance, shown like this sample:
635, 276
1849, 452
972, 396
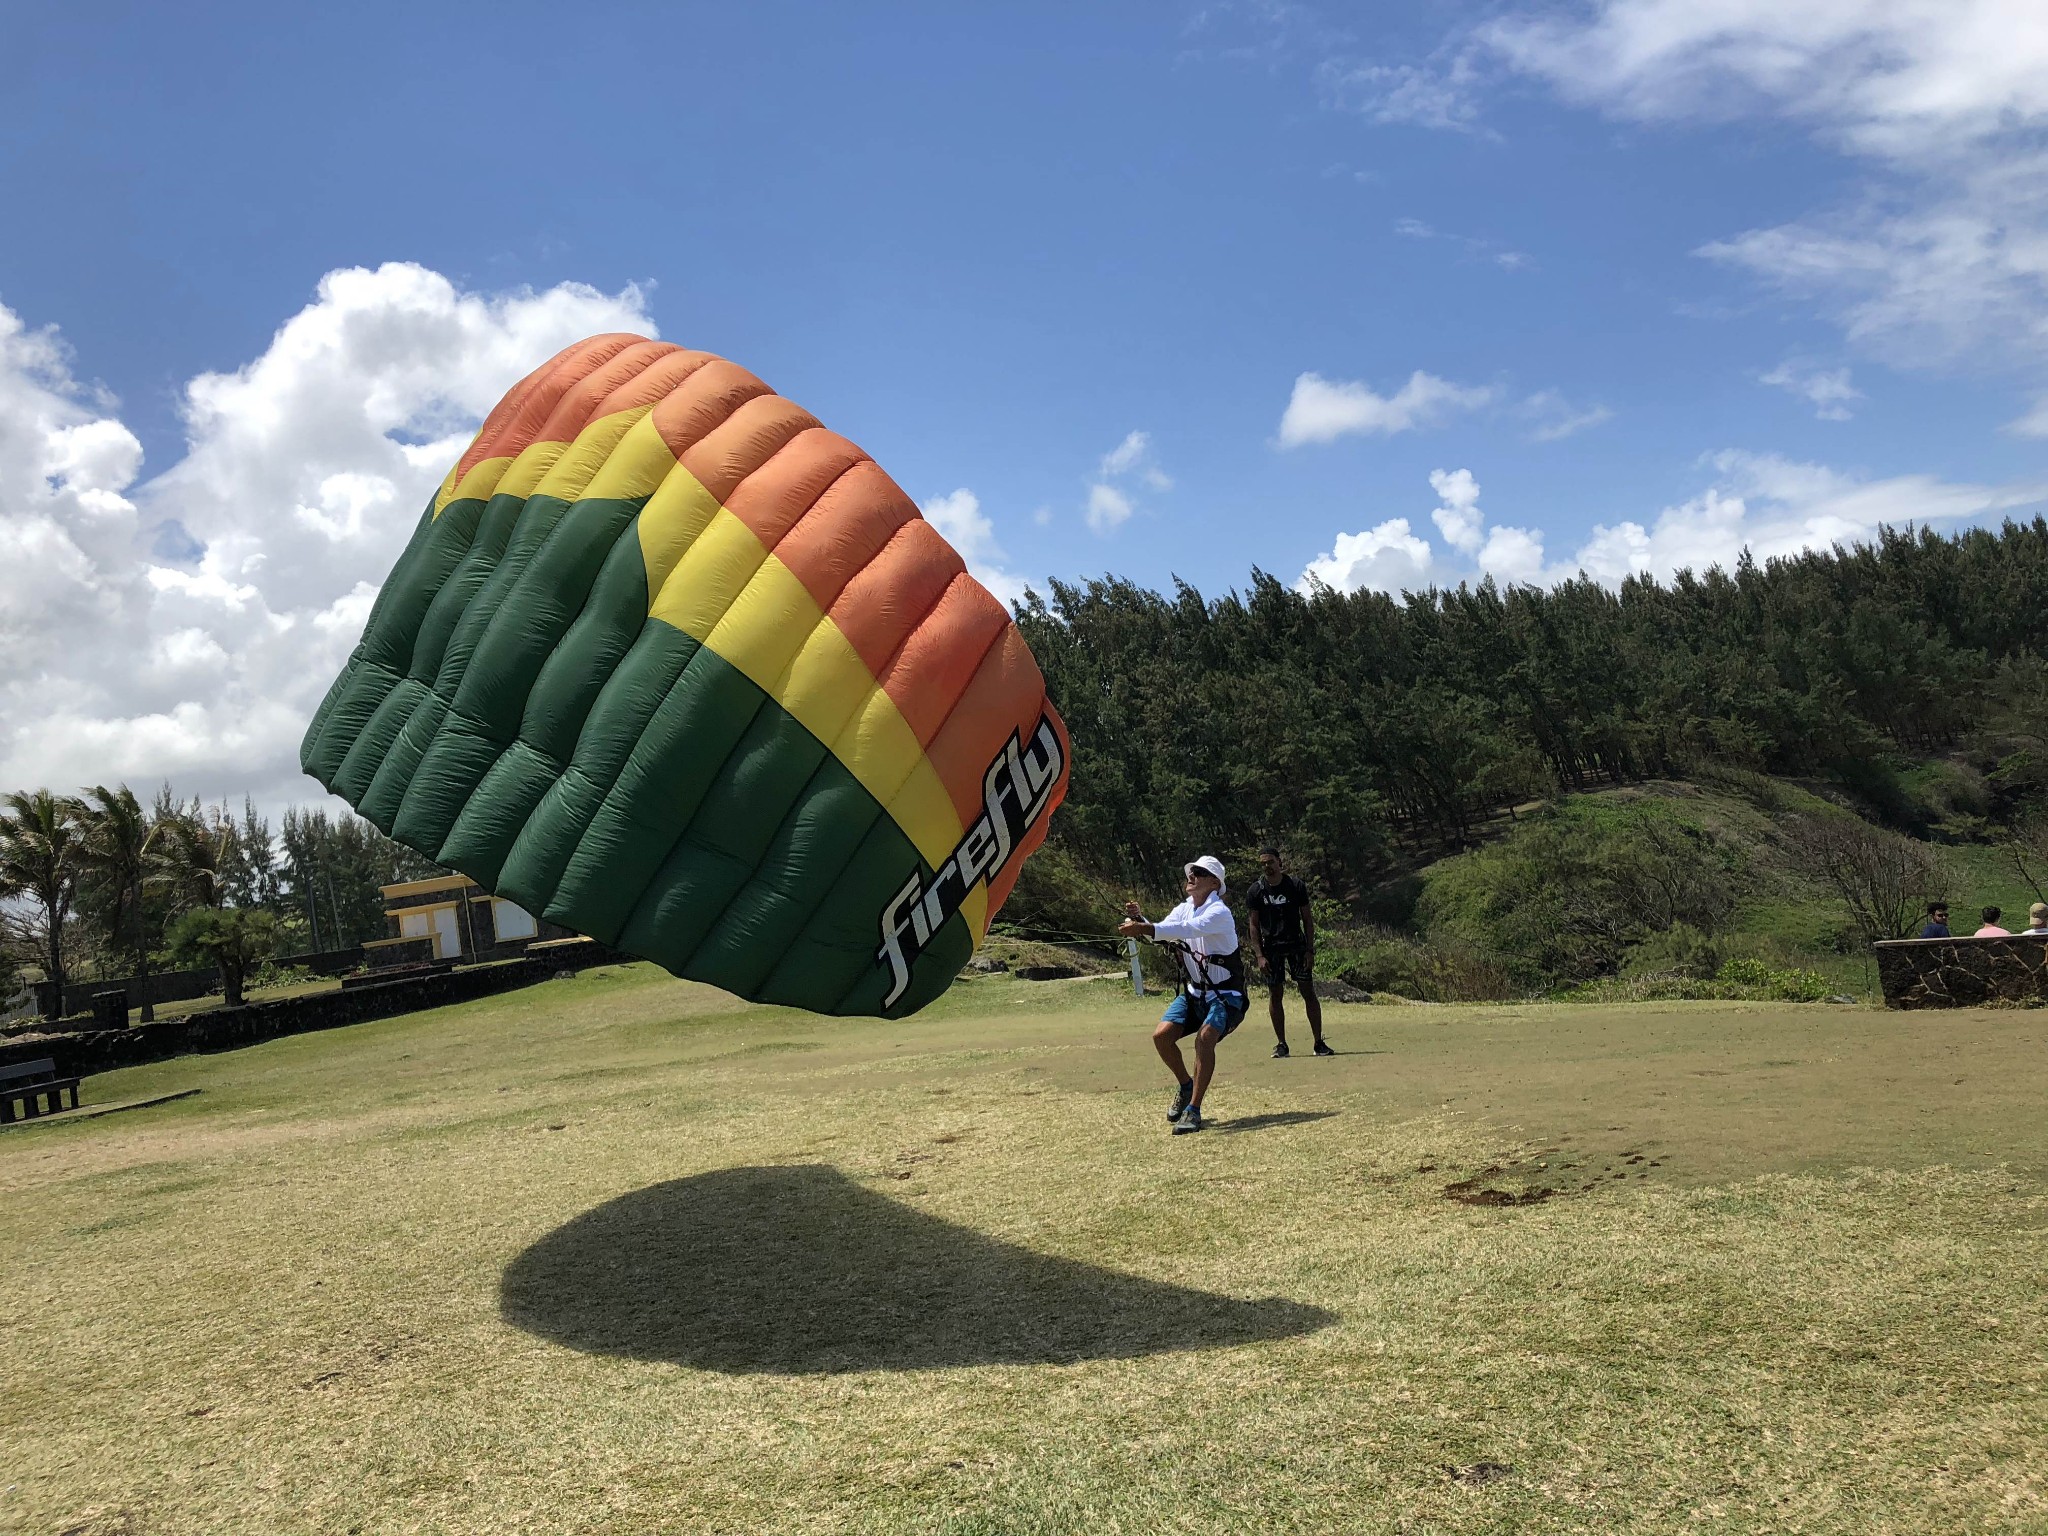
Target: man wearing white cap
1212, 999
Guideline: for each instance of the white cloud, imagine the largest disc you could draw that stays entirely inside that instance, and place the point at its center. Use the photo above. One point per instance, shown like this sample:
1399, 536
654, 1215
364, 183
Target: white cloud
1515, 557
1322, 410
1254, 31
1901, 79
1393, 558
1435, 95
1767, 505
961, 522
1131, 463
1389, 558
1512, 554
1774, 506
303, 474
1827, 390
1555, 418
1953, 272
1459, 519
1108, 508
1125, 454
2034, 423
1479, 249
1938, 258
1944, 256
1134, 456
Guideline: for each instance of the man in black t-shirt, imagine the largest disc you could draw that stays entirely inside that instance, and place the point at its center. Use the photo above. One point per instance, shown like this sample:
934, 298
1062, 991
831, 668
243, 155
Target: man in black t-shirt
1283, 933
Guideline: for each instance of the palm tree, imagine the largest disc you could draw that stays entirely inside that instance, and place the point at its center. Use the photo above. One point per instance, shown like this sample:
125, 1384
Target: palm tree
39, 857
121, 855
199, 854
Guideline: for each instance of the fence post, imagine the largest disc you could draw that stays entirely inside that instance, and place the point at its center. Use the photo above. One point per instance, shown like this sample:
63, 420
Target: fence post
1137, 971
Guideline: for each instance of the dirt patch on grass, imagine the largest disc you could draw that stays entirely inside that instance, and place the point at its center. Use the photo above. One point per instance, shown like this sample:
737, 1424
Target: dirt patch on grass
1530, 1177
1477, 1191
1480, 1473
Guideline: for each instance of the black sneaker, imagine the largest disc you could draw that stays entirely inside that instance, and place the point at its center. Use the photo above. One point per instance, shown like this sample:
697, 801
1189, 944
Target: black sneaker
1280, 1051
1323, 1049
1190, 1120
1180, 1102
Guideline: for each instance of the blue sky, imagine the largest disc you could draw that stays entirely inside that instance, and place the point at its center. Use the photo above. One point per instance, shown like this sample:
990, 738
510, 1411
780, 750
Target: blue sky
1510, 288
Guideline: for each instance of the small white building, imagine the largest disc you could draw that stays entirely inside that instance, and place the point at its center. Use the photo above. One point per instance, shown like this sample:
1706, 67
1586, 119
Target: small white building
460, 917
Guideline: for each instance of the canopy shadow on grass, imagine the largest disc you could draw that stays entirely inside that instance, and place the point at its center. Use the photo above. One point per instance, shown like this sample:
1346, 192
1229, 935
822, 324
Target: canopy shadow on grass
800, 1271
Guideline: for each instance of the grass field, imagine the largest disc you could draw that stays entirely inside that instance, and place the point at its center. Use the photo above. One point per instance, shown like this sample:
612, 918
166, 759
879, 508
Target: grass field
620, 1254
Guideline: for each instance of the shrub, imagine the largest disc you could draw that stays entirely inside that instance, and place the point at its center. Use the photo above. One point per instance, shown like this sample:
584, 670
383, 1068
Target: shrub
1649, 987
1773, 985
1746, 980
1056, 899
1681, 950
1419, 969
1759, 789
1567, 894
1384, 962
1884, 879
1950, 799
233, 938
271, 974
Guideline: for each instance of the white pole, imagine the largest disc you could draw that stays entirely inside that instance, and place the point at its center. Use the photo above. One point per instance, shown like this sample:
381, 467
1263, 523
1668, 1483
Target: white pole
1137, 971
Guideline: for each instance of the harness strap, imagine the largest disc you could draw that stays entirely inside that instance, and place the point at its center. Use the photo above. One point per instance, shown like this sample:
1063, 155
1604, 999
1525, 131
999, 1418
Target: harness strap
1232, 966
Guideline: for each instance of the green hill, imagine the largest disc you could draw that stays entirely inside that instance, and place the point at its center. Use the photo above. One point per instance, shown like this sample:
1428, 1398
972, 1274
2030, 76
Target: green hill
1665, 888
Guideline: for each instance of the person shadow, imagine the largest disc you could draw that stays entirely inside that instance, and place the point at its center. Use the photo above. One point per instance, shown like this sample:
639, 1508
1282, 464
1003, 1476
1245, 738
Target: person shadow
1272, 1122
797, 1270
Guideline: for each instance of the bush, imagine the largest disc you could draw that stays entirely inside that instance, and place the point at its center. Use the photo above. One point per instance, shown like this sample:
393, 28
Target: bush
1056, 899
1648, 987
1745, 981
1417, 969
1772, 985
1759, 789
1883, 878
1566, 895
233, 938
1951, 800
271, 974
1681, 950
1384, 962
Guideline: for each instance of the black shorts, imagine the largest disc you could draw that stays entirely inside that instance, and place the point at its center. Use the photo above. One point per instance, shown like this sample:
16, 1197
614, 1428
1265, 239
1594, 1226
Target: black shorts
1302, 962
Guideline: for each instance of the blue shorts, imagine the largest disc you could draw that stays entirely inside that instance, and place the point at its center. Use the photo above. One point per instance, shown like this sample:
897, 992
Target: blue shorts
1226, 1012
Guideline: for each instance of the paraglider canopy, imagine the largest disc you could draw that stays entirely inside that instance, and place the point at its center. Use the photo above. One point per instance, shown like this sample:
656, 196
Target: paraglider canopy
675, 666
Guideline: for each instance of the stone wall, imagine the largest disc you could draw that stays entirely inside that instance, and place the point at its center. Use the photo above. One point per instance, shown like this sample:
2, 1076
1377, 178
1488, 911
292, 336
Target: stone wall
183, 986
227, 1029
164, 987
386, 954
1963, 973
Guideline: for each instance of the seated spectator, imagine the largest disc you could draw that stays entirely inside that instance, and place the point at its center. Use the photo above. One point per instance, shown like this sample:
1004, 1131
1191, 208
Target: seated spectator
1991, 930
1936, 926
2037, 920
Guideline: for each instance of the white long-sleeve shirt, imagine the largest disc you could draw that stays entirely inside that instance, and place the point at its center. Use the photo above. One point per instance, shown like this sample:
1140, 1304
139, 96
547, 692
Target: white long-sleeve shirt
1209, 929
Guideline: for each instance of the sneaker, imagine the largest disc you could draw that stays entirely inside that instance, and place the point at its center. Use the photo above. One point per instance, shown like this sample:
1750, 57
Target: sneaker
1181, 1096
1190, 1120
1323, 1049
1280, 1050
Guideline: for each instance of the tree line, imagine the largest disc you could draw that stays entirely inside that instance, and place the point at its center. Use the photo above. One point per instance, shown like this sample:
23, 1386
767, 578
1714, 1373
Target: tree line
1363, 731
101, 883
1358, 728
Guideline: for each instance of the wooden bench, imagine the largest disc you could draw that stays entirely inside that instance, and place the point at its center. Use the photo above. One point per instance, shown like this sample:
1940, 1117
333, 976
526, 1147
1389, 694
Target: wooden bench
35, 1089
